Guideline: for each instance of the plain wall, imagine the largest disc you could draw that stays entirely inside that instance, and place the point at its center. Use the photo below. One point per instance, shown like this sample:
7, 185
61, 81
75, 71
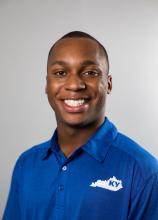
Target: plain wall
129, 31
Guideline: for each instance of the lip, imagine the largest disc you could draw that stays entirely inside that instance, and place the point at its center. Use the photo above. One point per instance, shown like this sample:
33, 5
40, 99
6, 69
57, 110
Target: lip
75, 97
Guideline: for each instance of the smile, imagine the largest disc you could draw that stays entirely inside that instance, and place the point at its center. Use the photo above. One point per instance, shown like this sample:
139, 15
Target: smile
74, 102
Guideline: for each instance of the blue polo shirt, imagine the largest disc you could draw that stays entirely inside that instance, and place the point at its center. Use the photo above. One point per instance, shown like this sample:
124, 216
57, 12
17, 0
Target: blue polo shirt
109, 178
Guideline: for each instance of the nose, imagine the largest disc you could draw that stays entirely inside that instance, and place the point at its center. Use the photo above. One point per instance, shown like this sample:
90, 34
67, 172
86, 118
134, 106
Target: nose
75, 83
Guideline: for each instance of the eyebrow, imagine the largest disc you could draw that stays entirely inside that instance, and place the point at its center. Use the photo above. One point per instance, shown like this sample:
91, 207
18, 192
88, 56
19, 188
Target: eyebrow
84, 63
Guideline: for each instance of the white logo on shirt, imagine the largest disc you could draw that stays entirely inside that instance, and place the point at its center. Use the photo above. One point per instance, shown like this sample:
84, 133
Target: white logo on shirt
111, 184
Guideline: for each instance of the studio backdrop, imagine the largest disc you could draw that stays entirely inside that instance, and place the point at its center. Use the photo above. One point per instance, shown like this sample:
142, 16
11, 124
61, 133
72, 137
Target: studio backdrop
127, 29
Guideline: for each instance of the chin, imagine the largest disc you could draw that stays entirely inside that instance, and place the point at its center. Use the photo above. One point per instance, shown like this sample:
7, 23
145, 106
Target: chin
72, 120
78, 121
75, 123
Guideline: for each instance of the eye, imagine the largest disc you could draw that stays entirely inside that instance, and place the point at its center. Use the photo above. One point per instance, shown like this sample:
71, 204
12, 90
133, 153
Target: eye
60, 73
90, 73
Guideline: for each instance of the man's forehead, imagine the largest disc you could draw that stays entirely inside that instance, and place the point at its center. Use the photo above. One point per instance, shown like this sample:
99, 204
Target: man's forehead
81, 63
75, 43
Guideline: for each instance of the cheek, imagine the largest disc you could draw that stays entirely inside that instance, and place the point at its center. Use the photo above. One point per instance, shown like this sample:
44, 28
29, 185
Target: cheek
101, 95
100, 89
52, 89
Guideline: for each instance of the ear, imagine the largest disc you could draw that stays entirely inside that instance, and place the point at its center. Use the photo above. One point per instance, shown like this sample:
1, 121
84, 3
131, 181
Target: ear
109, 79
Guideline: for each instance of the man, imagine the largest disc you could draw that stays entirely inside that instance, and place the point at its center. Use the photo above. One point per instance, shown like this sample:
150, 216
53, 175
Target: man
88, 170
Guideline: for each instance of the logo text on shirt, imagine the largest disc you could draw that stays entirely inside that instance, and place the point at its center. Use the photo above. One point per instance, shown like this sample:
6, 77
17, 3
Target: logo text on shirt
112, 184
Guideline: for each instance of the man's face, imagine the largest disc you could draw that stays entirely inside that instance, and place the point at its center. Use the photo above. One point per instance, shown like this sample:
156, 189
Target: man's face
77, 81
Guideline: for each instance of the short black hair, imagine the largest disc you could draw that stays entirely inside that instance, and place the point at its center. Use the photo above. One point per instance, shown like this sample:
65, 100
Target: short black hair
81, 34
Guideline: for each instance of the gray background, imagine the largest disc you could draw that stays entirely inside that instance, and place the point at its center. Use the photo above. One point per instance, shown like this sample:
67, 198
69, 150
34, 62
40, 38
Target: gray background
129, 31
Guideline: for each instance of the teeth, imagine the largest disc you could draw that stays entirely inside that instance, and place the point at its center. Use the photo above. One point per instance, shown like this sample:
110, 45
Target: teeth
74, 103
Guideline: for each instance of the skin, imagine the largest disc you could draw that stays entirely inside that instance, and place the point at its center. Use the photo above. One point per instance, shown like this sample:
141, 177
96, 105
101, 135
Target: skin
77, 69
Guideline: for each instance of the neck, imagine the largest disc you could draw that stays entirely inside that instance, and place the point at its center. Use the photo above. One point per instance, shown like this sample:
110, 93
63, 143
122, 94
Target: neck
71, 137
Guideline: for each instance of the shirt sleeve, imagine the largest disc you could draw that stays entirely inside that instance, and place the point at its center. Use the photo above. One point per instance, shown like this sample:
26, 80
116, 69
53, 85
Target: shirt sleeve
145, 204
12, 209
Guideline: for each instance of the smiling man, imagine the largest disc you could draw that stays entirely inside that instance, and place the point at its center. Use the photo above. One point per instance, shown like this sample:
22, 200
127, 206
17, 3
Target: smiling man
88, 169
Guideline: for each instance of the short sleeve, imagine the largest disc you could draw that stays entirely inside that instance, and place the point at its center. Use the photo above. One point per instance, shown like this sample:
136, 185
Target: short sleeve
145, 204
12, 209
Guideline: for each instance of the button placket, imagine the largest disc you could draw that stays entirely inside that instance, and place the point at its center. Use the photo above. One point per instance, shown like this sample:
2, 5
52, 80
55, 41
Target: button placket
62, 186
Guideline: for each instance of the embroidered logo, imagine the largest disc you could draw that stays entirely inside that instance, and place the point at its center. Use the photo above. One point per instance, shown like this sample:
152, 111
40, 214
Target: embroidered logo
111, 184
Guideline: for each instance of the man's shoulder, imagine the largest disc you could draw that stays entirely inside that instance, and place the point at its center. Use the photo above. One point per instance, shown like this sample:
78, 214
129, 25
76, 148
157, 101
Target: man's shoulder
37, 150
146, 162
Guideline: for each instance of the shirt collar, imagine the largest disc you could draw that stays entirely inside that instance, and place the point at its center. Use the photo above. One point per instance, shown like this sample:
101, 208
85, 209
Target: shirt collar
99, 143
97, 146
53, 146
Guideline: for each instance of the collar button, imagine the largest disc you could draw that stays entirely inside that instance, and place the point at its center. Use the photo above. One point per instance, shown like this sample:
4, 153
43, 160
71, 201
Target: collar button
64, 168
